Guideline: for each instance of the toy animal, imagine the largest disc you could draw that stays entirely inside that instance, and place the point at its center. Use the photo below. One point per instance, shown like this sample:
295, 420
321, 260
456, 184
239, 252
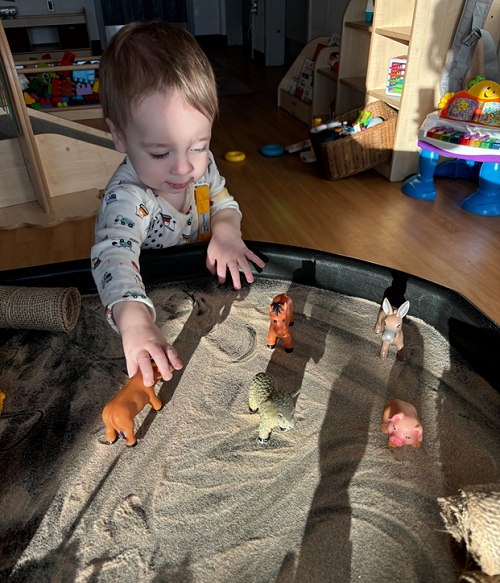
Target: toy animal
401, 422
281, 314
119, 413
276, 408
390, 325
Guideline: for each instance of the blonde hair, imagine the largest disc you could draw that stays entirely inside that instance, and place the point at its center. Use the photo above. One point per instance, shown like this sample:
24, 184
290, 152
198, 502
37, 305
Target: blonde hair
145, 57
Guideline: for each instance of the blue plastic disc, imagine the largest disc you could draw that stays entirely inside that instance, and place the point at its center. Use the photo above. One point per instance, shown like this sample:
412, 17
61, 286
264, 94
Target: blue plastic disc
272, 150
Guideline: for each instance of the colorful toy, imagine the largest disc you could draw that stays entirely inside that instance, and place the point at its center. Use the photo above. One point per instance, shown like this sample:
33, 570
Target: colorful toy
234, 156
281, 314
55, 87
28, 99
396, 75
83, 76
276, 408
68, 59
390, 325
467, 128
272, 150
119, 413
333, 61
369, 11
68, 88
83, 89
479, 104
401, 422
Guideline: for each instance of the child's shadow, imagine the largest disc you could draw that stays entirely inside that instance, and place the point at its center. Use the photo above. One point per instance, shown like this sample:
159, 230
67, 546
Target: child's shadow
209, 309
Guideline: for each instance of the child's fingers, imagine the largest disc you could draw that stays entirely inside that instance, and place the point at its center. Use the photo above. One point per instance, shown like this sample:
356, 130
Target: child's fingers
235, 275
245, 267
132, 367
254, 258
173, 357
146, 367
221, 271
162, 363
210, 265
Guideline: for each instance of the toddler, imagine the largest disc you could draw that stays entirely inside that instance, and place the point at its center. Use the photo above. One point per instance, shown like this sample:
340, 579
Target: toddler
159, 99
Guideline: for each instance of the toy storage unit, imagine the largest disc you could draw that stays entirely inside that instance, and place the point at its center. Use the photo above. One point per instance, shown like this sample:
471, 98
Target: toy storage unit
354, 53
32, 36
323, 88
423, 30
359, 151
52, 176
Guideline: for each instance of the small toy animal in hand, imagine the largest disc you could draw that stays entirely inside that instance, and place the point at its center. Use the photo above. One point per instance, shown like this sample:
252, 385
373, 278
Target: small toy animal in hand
281, 314
402, 424
119, 413
390, 325
276, 408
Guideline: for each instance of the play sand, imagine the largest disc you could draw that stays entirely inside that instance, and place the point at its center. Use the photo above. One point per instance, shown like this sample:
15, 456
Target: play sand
199, 500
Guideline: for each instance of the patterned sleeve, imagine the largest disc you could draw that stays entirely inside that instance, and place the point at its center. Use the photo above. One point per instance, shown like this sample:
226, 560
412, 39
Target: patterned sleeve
122, 224
219, 196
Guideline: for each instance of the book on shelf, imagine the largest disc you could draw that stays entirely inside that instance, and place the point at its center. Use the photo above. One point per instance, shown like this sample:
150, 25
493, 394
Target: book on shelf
305, 78
319, 46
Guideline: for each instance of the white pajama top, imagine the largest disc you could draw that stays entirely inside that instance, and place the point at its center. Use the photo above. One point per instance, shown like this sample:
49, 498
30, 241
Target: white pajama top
131, 217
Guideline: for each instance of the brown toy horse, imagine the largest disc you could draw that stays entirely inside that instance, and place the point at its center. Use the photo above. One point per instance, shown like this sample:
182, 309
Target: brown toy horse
119, 413
281, 314
390, 325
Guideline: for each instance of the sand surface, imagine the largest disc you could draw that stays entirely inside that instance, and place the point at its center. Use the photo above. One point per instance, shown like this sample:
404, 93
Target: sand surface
199, 499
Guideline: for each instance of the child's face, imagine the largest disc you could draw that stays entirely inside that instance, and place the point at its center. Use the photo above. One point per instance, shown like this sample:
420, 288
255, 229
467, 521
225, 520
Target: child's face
167, 142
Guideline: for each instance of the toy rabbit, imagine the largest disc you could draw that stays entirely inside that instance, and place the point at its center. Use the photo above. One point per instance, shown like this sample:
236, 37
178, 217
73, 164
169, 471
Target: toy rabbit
390, 325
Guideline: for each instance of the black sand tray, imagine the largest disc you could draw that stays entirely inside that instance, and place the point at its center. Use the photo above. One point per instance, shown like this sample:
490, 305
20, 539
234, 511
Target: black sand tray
472, 333
469, 332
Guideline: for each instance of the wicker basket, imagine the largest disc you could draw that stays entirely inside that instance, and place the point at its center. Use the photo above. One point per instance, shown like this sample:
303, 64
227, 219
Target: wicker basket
360, 151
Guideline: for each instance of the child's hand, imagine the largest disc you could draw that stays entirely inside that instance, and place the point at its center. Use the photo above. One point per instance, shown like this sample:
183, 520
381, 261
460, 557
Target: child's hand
143, 340
226, 249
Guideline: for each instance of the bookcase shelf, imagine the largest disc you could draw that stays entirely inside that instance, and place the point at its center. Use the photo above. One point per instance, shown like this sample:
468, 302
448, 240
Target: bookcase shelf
65, 31
399, 33
324, 84
424, 32
354, 51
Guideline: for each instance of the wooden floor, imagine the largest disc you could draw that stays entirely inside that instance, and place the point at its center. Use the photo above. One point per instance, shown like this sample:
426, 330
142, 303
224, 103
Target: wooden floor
284, 200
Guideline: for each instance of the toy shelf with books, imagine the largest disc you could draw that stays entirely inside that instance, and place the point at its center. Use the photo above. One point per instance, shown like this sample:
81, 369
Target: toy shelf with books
309, 86
424, 32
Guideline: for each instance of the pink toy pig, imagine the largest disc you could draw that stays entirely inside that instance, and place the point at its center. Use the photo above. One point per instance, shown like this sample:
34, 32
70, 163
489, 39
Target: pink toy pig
402, 424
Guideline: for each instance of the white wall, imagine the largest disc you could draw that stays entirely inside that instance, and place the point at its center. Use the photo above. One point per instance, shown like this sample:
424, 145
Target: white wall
207, 17
259, 28
61, 7
325, 17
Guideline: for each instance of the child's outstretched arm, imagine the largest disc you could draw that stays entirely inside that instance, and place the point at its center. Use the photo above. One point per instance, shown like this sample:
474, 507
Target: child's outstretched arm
143, 340
227, 250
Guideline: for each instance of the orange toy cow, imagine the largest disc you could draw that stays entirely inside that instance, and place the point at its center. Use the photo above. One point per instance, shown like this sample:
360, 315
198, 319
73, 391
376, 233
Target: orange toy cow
119, 413
281, 314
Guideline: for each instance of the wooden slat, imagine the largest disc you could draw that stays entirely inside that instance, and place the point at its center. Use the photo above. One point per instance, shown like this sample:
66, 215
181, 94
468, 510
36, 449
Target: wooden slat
72, 165
56, 68
26, 137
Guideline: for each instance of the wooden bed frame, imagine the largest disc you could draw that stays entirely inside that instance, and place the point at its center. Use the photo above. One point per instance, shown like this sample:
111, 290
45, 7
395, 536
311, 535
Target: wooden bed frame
47, 178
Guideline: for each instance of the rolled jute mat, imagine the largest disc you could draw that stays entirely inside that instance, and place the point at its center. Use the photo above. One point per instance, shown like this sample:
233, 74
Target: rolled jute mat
53, 309
473, 519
